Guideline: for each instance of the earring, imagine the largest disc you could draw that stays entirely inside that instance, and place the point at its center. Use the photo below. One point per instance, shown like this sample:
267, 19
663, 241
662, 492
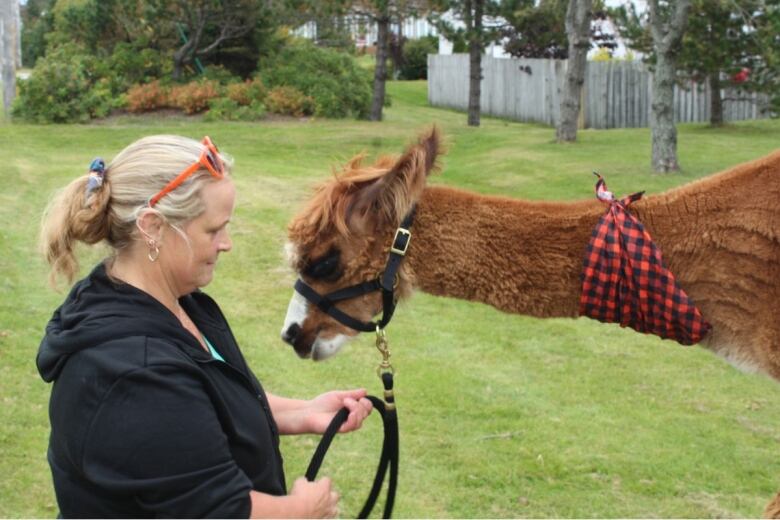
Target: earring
154, 250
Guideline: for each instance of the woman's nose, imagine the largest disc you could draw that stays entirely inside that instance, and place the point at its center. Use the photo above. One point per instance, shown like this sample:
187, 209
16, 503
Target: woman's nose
226, 244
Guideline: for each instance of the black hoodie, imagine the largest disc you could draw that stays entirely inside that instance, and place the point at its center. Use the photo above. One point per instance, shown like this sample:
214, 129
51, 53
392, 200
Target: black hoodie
146, 423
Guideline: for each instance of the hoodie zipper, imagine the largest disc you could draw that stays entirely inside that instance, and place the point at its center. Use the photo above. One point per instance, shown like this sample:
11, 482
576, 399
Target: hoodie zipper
249, 384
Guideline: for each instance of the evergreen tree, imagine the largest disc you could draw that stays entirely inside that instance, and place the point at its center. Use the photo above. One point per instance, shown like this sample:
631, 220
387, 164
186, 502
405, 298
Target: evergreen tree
720, 45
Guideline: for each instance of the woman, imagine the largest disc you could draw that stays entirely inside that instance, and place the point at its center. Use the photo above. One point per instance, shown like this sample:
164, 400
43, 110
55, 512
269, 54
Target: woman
154, 411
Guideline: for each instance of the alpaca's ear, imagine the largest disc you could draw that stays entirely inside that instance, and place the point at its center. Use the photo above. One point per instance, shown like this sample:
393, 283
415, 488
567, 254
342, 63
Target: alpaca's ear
393, 195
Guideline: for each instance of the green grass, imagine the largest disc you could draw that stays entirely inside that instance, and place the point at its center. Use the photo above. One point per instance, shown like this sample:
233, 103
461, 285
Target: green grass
501, 415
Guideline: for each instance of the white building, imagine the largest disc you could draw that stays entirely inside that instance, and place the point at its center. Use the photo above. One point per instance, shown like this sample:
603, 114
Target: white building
364, 31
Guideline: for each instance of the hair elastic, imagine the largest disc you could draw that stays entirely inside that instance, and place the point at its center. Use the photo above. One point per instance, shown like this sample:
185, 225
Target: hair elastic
97, 171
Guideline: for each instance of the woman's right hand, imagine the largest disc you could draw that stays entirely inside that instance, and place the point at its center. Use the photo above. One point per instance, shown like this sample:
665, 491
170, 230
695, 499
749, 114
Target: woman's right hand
315, 499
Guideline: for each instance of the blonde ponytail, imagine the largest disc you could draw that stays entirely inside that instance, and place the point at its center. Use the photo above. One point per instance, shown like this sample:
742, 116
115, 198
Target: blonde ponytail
69, 219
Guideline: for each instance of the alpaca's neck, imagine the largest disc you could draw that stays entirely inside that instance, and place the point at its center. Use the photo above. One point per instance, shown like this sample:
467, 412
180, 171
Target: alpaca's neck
519, 256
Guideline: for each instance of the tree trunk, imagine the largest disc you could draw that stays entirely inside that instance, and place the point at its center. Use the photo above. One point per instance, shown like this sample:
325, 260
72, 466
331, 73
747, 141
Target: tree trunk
380, 71
578, 16
716, 103
181, 57
8, 51
178, 66
475, 61
663, 129
666, 40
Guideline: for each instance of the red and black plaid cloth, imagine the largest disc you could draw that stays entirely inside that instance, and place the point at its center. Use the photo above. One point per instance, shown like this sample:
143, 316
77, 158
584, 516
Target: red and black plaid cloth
624, 279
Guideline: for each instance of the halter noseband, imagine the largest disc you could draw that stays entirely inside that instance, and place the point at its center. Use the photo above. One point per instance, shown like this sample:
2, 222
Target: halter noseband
385, 282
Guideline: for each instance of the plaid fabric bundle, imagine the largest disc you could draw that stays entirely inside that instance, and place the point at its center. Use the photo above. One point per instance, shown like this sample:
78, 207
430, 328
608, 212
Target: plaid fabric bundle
624, 278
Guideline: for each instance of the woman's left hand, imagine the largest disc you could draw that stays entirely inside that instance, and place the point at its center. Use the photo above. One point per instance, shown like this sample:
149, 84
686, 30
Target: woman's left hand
321, 409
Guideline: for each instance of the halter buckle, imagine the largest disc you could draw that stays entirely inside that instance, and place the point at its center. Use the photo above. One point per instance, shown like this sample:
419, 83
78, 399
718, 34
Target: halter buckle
396, 280
398, 232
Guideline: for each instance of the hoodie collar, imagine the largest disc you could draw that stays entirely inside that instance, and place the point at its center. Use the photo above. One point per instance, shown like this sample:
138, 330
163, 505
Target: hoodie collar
100, 309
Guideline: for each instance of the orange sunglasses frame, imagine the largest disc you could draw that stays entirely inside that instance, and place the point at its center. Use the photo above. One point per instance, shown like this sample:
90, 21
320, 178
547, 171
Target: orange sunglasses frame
217, 170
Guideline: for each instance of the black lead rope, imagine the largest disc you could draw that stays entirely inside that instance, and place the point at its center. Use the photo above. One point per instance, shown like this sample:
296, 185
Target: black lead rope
389, 456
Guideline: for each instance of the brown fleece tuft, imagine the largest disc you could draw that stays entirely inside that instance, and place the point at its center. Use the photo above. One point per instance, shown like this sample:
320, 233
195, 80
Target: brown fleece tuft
772, 509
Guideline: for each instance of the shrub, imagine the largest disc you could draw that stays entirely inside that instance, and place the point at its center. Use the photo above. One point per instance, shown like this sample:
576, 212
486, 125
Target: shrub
102, 99
415, 53
226, 109
338, 86
65, 86
247, 92
289, 101
219, 74
135, 63
147, 97
194, 97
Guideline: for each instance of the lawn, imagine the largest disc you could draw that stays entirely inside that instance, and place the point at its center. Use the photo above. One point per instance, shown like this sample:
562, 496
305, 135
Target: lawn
501, 415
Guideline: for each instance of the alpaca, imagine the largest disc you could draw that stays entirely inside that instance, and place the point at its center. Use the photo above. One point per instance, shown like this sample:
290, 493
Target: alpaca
719, 235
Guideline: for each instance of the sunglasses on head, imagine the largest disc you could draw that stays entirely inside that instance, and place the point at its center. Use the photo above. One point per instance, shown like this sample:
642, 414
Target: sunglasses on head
209, 159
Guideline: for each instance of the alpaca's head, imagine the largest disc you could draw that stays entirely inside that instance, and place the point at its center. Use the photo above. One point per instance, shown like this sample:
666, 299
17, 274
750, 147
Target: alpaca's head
342, 237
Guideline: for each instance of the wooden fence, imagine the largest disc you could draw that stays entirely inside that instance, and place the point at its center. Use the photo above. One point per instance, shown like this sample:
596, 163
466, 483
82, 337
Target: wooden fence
616, 94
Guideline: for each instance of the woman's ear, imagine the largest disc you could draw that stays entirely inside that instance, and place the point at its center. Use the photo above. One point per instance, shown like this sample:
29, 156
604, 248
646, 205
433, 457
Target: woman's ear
151, 224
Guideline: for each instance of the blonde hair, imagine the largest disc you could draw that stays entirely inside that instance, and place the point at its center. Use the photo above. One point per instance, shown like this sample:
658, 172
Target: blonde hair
109, 212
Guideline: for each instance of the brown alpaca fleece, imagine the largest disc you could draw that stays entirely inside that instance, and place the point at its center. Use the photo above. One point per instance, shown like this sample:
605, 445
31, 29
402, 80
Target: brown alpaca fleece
720, 236
773, 508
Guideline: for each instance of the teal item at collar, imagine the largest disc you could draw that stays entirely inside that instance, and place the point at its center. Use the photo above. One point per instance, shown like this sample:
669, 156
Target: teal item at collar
214, 353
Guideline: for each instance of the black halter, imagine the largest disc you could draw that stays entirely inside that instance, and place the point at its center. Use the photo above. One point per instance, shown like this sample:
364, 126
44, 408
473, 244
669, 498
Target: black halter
386, 283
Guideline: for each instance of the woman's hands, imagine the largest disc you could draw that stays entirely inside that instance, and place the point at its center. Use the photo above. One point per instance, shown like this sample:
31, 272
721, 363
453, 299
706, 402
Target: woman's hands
315, 499
322, 408
294, 416
305, 500
310, 499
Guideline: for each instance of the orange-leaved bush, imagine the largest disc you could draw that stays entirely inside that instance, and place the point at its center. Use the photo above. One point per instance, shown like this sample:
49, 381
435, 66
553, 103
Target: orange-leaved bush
194, 97
247, 92
146, 97
289, 101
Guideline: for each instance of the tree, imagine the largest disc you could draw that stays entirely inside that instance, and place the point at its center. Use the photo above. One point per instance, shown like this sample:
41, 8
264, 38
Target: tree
535, 30
99, 25
578, 18
383, 12
716, 45
477, 34
37, 21
538, 29
380, 11
667, 25
9, 50
763, 74
473, 20
719, 43
207, 24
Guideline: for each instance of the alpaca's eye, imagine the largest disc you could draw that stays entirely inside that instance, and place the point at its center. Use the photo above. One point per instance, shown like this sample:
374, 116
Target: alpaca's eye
325, 268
